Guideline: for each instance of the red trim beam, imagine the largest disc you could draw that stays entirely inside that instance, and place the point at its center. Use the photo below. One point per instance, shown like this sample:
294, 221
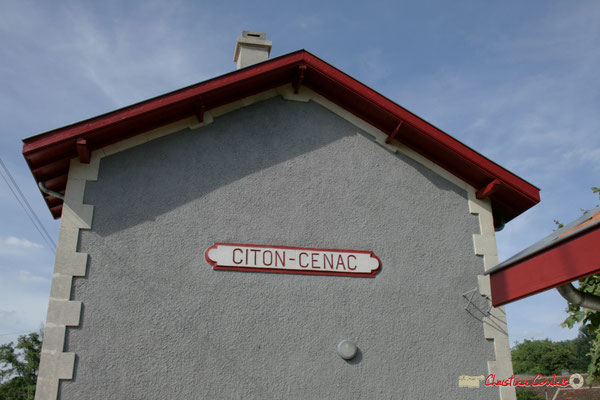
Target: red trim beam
567, 261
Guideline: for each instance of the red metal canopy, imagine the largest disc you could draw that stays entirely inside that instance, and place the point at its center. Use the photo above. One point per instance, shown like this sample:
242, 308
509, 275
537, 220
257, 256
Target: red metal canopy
569, 254
48, 154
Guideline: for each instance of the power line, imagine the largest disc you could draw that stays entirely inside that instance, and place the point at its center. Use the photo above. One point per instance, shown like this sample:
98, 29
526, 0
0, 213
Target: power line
28, 216
13, 333
25, 205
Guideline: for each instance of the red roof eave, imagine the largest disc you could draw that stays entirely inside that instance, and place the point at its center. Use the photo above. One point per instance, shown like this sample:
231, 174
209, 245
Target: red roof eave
48, 154
465, 152
69, 132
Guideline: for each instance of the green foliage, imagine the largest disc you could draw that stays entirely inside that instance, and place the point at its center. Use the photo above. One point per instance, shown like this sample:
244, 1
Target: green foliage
581, 347
19, 367
558, 224
591, 322
527, 394
544, 357
589, 318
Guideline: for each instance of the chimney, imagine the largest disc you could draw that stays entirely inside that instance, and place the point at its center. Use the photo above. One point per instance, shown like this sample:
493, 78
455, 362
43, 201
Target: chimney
251, 48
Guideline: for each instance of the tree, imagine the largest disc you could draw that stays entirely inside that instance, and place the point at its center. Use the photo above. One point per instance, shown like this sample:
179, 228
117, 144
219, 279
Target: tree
581, 347
589, 318
532, 357
591, 321
19, 367
527, 394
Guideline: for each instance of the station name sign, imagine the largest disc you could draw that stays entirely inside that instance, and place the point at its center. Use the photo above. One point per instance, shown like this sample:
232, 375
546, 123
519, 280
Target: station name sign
292, 260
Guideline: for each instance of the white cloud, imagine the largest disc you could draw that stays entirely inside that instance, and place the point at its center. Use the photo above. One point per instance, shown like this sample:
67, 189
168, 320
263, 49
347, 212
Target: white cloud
375, 64
534, 109
128, 61
21, 243
23, 305
584, 157
308, 22
29, 277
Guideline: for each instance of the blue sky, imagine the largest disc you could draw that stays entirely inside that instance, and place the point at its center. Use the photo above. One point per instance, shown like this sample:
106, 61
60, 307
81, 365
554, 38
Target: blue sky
517, 81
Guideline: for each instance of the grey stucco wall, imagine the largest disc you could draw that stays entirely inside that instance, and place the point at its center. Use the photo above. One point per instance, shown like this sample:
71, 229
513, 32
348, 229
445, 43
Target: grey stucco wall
158, 322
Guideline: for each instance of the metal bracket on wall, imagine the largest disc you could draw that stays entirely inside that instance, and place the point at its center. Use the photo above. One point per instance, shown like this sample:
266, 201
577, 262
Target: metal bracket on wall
469, 296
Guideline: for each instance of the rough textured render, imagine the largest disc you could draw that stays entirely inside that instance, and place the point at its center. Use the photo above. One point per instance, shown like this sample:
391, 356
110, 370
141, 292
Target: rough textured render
484, 242
55, 364
158, 322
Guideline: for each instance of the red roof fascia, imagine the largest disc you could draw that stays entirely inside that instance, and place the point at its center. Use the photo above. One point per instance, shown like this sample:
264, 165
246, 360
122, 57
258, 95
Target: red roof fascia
434, 134
566, 262
79, 129
48, 154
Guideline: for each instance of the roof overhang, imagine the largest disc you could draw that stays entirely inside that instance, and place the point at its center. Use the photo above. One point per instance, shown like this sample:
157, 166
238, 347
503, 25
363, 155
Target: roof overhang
48, 154
569, 254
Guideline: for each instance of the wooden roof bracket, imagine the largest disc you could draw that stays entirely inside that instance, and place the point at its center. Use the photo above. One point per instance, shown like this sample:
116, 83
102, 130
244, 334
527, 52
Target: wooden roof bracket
392, 135
489, 189
83, 151
299, 78
199, 111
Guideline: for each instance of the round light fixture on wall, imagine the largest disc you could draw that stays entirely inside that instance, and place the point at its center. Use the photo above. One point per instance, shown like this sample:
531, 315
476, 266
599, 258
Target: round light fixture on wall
347, 349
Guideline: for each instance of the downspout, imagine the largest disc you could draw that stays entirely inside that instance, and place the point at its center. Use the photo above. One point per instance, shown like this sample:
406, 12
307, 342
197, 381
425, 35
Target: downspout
44, 189
579, 298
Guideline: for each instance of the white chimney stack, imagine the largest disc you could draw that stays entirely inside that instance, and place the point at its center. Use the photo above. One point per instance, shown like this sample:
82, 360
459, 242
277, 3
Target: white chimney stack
251, 48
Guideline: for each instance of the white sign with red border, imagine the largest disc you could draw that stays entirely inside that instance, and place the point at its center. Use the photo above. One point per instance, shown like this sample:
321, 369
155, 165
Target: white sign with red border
292, 260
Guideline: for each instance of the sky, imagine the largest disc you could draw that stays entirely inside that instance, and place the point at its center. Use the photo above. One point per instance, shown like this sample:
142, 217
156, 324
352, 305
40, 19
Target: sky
516, 81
